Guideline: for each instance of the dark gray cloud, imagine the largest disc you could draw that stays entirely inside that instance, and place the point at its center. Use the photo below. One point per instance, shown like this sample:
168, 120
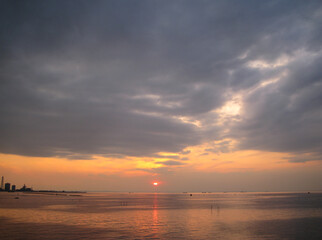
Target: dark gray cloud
166, 156
115, 77
185, 152
221, 147
285, 117
171, 163
204, 154
303, 158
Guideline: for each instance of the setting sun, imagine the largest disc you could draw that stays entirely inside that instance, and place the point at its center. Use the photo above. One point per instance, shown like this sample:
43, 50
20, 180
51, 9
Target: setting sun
155, 183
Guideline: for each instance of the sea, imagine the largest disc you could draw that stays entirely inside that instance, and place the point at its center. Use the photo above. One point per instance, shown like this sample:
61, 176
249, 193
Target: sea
231, 215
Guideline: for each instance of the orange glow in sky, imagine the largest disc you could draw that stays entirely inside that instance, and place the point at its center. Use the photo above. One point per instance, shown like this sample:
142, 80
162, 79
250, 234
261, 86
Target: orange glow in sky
155, 183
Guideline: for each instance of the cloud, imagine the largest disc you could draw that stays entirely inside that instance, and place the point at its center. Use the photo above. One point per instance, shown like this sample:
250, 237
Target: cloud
304, 158
285, 116
220, 147
204, 154
166, 156
185, 152
142, 77
161, 170
171, 163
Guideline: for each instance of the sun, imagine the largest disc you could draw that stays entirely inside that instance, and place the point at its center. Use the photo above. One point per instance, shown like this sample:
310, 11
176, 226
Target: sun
155, 183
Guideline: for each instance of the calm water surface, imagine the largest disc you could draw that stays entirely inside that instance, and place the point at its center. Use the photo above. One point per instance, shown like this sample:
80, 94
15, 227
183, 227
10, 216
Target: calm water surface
161, 216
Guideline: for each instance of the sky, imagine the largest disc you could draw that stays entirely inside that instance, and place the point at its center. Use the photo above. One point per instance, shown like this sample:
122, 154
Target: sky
197, 95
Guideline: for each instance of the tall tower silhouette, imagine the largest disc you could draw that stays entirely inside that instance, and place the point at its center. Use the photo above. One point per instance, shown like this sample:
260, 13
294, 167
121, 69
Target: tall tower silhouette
2, 180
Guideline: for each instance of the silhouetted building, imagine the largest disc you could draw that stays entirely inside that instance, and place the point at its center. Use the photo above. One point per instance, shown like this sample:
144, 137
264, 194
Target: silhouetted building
25, 189
7, 187
13, 188
2, 180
